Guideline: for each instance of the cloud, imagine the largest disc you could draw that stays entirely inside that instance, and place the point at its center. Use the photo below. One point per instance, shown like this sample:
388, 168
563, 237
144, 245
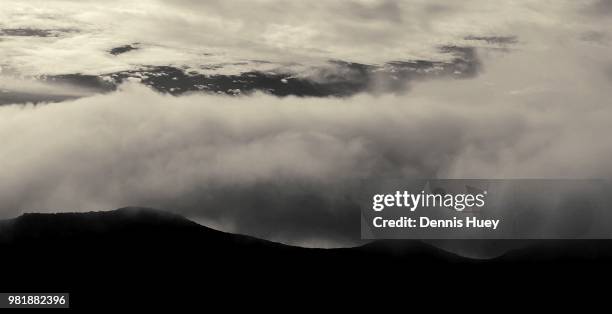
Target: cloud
18, 90
600, 7
285, 168
191, 34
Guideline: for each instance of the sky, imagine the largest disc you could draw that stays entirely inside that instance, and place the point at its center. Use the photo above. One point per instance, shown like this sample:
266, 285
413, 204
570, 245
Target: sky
281, 168
192, 33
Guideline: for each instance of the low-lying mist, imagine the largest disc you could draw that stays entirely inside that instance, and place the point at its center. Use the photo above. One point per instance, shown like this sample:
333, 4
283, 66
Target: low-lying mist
283, 168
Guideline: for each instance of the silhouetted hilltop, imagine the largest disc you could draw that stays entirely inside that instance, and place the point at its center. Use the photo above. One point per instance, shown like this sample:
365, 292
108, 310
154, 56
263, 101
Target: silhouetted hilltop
578, 252
144, 229
136, 254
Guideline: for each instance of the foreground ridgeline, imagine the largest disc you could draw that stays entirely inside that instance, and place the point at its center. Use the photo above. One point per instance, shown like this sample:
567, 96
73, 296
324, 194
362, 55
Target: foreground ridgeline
132, 255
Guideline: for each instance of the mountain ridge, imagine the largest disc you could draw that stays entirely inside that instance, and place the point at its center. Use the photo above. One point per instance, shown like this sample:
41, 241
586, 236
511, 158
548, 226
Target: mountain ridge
149, 258
33, 227
65, 224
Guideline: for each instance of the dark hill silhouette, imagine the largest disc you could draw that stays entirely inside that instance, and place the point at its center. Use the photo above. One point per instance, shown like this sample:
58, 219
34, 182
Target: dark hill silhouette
138, 256
142, 228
